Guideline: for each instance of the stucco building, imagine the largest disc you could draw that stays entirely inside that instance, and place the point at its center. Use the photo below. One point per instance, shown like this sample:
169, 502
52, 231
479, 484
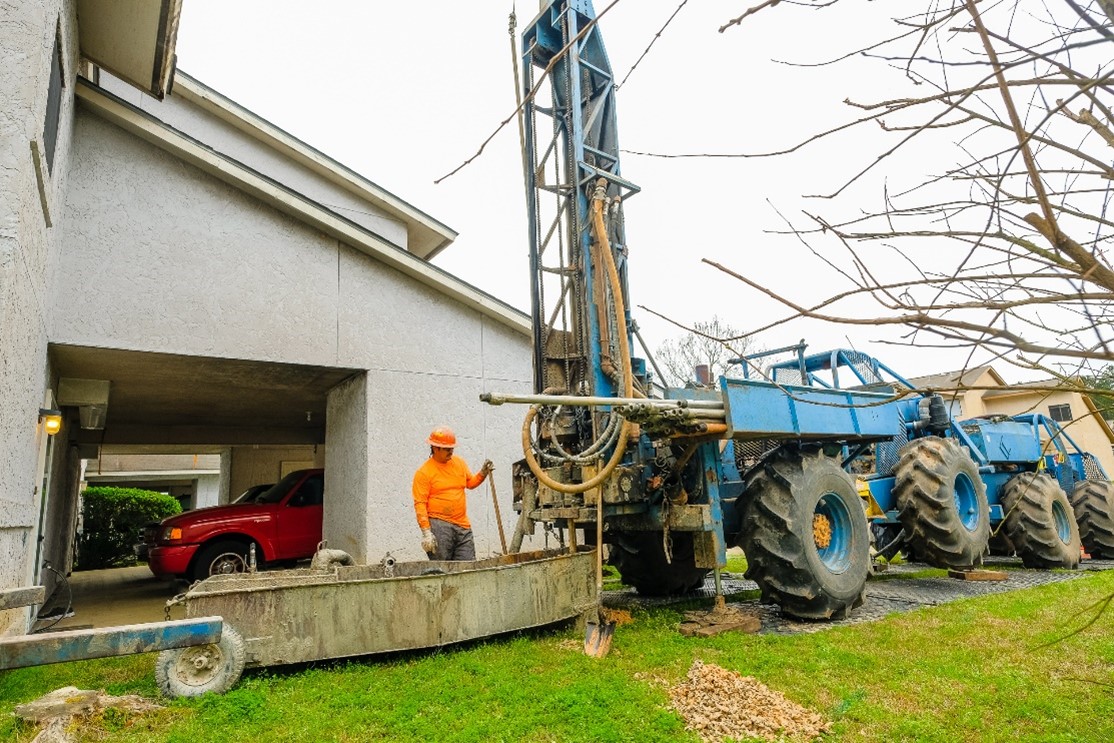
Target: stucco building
178, 275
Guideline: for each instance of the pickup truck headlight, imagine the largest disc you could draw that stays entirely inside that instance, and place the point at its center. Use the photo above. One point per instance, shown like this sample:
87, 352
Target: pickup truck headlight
172, 534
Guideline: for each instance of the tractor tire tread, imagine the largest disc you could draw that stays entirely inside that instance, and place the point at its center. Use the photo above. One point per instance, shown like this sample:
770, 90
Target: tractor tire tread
1093, 504
779, 516
924, 491
1028, 501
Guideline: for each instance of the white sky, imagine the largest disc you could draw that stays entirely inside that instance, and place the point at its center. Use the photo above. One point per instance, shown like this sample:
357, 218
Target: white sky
403, 92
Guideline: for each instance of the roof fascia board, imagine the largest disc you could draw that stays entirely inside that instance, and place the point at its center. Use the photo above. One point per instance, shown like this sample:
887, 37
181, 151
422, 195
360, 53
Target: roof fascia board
437, 236
235, 174
1094, 412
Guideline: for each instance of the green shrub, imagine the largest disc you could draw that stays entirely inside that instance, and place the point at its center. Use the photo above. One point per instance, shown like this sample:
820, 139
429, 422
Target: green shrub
112, 518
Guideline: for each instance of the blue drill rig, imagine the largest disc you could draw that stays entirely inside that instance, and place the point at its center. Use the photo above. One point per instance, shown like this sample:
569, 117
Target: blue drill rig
947, 490
669, 483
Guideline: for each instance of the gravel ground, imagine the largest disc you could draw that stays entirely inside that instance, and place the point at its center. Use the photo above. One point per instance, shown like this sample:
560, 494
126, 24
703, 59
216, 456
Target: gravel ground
886, 593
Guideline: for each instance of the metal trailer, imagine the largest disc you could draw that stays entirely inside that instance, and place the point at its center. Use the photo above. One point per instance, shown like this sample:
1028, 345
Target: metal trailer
948, 490
339, 611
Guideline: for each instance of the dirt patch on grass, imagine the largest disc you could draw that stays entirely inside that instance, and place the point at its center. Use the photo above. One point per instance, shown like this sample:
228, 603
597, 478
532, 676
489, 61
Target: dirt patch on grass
618, 616
717, 704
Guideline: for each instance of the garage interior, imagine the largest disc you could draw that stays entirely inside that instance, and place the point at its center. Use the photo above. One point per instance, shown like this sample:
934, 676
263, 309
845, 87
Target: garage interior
253, 421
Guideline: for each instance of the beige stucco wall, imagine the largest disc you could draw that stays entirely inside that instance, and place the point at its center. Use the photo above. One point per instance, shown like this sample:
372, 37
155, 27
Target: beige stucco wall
27, 244
257, 465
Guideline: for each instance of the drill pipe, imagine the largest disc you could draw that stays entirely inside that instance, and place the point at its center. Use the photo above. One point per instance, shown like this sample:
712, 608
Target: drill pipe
495, 398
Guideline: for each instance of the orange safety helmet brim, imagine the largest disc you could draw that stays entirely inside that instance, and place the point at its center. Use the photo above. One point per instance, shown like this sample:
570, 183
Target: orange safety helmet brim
442, 437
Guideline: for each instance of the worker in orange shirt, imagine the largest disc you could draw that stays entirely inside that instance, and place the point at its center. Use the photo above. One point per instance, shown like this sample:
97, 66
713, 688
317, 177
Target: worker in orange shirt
439, 499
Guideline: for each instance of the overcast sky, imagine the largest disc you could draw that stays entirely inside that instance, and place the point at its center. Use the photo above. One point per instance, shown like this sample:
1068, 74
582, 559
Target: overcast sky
404, 92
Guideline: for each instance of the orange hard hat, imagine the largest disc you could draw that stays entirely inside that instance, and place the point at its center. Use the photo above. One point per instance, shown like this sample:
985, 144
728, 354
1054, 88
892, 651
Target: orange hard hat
442, 437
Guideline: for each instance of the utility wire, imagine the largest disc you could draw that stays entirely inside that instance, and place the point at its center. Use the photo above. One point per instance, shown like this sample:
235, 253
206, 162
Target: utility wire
651, 44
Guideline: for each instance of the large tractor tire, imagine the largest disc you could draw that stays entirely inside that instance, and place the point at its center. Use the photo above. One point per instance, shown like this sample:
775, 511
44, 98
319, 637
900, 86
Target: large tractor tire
941, 501
640, 559
1039, 521
1093, 503
805, 535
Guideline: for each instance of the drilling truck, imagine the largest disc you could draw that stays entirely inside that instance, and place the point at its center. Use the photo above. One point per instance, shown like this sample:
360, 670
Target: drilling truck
669, 482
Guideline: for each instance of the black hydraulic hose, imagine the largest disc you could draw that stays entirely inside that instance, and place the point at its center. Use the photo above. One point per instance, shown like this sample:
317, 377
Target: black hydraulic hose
900, 537
69, 600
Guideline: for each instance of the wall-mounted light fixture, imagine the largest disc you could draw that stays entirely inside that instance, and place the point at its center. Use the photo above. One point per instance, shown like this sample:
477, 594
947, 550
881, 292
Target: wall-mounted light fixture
52, 420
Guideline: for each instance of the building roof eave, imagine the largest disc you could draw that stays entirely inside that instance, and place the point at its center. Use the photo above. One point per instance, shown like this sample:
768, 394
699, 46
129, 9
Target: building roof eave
426, 236
233, 173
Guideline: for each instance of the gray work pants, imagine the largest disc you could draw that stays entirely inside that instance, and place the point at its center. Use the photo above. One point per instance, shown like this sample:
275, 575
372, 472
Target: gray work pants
453, 542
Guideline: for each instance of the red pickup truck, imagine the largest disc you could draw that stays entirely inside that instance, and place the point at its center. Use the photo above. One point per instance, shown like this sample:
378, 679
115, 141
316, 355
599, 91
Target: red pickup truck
284, 524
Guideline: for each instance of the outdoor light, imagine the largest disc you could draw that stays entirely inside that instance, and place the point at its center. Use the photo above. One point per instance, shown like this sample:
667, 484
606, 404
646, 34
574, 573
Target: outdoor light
52, 420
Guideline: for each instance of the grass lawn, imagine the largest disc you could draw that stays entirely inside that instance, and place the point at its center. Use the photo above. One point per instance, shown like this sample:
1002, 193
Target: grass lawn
973, 670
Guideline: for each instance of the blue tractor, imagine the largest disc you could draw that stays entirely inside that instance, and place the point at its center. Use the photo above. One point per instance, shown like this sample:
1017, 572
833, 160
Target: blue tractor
946, 490
669, 482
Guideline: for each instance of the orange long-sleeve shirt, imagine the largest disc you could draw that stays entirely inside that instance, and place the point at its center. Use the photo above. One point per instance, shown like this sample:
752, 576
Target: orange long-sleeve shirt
439, 492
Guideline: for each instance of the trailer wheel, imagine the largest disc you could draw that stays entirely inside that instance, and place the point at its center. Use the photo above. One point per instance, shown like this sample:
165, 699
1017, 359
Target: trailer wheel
640, 559
200, 669
1039, 521
941, 502
1093, 503
805, 535
221, 558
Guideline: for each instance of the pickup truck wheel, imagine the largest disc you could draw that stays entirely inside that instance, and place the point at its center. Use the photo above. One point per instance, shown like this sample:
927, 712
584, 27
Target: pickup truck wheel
221, 558
942, 503
1039, 521
200, 669
1093, 501
805, 535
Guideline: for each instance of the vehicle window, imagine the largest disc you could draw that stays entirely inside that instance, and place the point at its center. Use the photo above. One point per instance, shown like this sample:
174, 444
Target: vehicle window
251, 495
310, 493
281, 488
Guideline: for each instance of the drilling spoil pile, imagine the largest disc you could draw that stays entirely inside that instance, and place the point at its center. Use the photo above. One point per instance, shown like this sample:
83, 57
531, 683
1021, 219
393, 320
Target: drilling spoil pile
718, 704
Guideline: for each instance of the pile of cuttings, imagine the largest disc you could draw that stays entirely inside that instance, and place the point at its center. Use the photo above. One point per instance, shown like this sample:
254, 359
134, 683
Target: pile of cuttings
717, 704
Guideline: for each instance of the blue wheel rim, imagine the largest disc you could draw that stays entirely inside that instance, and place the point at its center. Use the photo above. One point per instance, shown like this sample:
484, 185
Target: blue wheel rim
1060, 519
836, 554
966, 503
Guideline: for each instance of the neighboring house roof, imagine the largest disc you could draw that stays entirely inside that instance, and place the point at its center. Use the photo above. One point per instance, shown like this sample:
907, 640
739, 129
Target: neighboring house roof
1028, 388
955, 379
285, 199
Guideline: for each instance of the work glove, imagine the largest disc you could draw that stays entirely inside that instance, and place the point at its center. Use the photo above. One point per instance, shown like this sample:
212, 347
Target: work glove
487, 467
429, 542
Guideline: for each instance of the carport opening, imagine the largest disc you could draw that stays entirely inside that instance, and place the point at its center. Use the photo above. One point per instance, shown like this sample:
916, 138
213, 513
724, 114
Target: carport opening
202, 430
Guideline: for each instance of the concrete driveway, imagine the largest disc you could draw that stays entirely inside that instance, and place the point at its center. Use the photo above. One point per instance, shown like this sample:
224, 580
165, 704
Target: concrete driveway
108, 598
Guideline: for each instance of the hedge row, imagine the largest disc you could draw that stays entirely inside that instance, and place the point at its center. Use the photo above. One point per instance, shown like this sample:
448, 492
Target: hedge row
112, 519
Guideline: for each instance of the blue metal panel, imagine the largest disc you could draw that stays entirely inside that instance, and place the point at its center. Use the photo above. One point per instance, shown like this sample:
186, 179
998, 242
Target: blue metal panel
995, 482
882, 490
710, 455
106, 642
763, 410
1004, 441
